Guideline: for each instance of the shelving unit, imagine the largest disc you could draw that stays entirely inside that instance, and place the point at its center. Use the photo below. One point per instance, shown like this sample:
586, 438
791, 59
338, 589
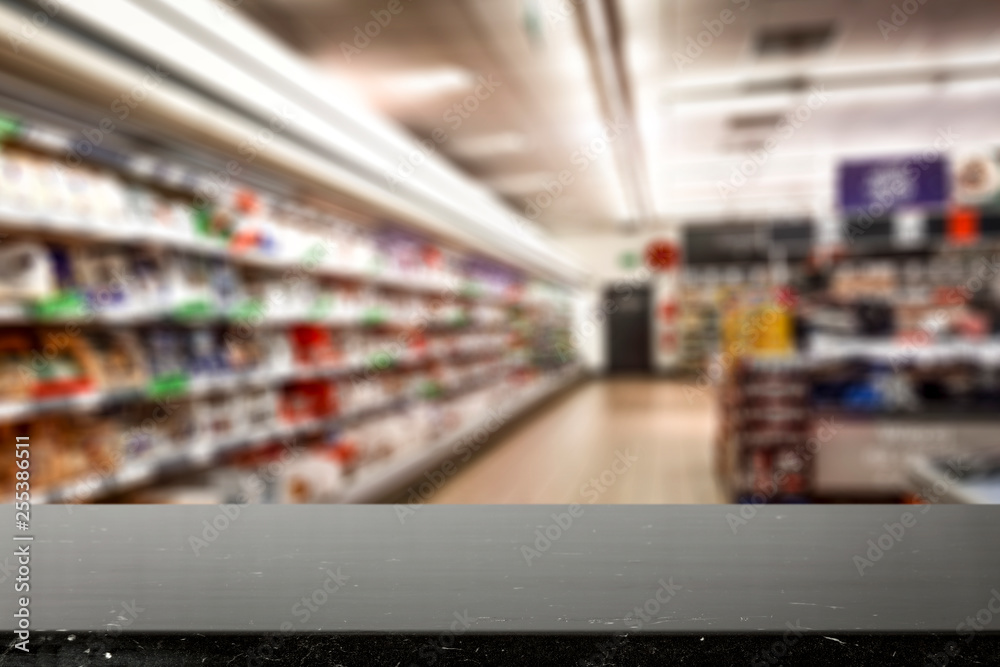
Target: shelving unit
301, 304
897, 342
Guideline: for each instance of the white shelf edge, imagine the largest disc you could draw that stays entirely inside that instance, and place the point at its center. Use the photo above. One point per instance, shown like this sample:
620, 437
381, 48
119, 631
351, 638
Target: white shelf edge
377, 483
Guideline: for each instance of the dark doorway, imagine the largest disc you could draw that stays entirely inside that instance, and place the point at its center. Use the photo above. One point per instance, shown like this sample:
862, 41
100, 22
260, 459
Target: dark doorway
628, 330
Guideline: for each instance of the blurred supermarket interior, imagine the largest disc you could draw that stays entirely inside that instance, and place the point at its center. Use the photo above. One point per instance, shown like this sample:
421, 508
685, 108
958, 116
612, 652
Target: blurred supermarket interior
501, 251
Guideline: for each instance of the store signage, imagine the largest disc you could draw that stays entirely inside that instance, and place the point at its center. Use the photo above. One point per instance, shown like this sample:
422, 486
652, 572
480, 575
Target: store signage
662, 255
977, 179
879, 186
963, 226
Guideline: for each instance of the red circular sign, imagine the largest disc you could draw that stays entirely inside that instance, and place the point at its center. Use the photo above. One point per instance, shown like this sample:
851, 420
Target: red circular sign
662, 255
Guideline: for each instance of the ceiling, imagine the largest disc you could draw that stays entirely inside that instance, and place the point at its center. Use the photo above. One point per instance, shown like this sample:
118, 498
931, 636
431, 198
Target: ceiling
537, 122
890, 83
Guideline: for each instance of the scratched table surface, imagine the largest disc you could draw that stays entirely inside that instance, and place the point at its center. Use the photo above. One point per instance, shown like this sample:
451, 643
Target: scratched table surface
640, 569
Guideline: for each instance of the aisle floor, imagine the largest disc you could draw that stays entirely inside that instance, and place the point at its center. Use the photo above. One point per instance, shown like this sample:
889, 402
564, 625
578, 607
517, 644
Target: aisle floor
619, 440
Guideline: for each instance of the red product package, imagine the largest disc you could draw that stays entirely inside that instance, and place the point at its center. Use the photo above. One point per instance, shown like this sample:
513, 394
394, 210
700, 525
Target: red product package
305, 401
314, 346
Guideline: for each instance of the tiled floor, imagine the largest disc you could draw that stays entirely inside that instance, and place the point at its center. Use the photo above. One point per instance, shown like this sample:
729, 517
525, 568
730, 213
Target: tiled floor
567, 453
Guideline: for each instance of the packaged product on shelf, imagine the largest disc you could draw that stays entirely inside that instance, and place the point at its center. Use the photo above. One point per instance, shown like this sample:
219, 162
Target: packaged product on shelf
139, 435
357, 249
207, 355
186, 284
301, 296
21, 192
217, 416
159, 215
98, 198
168, 354
119, 357
26, 273
311, 479
346, 453
65, 367
265, 298
8, 467
307, 401
280, 357
70, 448
225, 285
177, 427
16, 373
257, 411
62, 204
54, 459
296, 242
246, 350
215, 220
103, 273
253, 230
315, 347
95, 437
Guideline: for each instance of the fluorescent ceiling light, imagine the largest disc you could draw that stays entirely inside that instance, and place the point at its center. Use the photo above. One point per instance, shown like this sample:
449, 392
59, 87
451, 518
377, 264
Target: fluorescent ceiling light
427, 82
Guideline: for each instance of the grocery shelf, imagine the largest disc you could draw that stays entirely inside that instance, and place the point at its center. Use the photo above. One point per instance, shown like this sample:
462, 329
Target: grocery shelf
378, 482
986, 352
199, 387
137, 236
200, 455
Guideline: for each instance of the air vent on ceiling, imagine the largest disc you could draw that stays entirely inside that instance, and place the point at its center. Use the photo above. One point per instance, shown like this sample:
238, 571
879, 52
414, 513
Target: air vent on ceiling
793, 40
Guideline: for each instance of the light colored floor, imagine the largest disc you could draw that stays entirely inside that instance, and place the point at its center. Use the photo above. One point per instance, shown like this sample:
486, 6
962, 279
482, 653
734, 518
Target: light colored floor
567, 452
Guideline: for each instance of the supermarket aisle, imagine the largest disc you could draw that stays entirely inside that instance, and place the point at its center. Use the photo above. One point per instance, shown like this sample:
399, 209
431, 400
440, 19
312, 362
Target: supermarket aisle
567, 453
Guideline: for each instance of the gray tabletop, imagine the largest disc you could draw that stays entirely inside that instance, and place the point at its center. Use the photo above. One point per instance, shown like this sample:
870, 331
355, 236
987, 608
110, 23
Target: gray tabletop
512, 568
